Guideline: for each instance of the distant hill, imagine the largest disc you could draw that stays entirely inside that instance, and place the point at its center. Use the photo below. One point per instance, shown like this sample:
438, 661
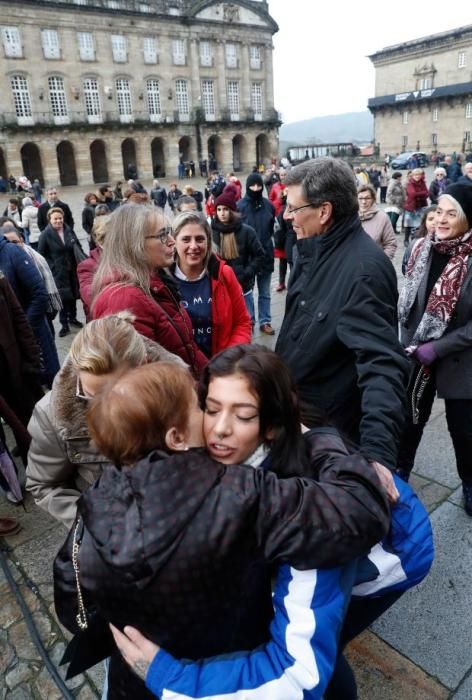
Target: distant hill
352, 127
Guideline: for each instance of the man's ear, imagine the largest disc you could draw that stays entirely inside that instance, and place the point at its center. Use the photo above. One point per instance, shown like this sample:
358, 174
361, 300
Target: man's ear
175, 440
326, 212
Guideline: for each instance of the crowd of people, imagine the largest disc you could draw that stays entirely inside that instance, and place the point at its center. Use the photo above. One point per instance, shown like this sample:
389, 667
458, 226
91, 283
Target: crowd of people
190, 466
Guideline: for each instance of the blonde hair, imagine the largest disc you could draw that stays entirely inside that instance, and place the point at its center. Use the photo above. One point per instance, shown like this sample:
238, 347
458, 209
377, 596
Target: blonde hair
107, 343
124, 260
228, 246
54, 210
100, 229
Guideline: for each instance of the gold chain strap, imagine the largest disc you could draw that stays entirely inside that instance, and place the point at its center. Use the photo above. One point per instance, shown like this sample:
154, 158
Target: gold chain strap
81, 616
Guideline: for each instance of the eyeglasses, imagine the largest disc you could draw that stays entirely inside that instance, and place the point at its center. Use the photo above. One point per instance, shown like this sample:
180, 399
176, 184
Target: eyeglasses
79, 392
163, 235
290, 210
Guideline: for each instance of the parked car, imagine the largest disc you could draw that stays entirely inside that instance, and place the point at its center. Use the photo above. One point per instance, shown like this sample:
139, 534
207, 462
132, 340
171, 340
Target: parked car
410, 159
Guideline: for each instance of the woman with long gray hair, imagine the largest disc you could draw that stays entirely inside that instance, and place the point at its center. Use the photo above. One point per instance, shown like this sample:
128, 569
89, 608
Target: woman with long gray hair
132, 275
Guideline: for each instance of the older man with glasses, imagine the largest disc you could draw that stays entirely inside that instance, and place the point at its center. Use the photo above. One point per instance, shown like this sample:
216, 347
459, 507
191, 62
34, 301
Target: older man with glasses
339, 334
52, 200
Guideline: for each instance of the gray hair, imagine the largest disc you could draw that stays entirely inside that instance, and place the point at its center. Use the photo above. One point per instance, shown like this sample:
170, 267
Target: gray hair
124, 260
193, 217
461, 215
327, 180
440, 171
185, 199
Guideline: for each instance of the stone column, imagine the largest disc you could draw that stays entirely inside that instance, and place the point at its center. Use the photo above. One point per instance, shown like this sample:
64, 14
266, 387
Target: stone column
83, 162
49, 161
245, 79
114, 158
143, 155
220, 59
12, 151
195, 91
269, 78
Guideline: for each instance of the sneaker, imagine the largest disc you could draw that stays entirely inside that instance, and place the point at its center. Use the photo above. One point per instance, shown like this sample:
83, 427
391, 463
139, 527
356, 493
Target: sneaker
65, 330
76, 324
267, 329
8, 526
280, 287
467, 491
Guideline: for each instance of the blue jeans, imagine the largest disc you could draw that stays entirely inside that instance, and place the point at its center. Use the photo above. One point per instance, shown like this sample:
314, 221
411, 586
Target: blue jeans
263, 298
249, 301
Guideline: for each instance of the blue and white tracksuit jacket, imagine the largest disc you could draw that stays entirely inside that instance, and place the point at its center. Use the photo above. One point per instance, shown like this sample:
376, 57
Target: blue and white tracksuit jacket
309, 611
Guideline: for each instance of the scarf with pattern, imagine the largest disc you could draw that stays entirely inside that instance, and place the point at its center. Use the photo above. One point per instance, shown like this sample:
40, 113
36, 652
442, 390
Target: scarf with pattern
445, 294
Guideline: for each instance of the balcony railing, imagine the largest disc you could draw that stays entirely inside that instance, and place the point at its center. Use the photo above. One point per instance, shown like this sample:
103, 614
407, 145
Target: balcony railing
80, 118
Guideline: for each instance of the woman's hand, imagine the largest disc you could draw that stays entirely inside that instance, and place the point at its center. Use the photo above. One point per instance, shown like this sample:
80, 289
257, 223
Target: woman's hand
136, 650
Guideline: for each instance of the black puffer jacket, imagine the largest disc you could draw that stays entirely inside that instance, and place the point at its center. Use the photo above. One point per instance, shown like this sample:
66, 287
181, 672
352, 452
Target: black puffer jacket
260, 215
181, 546
251, 253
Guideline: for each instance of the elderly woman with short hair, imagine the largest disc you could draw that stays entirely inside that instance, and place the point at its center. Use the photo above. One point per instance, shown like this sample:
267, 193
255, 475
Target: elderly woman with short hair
435, 311
208, 286
417, 194
438, 185
132, 275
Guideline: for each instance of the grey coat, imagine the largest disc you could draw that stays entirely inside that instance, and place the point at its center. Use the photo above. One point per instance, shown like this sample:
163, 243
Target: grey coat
454, 349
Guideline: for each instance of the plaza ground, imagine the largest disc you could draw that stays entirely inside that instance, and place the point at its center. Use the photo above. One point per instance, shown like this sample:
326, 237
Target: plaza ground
419, 650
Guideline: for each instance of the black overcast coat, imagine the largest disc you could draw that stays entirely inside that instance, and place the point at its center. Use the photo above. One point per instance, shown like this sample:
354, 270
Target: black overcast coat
180, 547
61, 259
339, 337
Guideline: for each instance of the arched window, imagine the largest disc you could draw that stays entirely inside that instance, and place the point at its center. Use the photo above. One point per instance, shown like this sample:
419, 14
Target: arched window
21, 98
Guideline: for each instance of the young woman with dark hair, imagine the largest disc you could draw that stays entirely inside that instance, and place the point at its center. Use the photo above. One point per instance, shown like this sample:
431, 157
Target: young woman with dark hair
182, 546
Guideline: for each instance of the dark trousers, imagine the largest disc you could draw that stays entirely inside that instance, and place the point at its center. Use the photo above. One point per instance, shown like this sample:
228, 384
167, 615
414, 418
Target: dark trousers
393, 216
361, 613
68, 312
459, 424
383, 194
283, 265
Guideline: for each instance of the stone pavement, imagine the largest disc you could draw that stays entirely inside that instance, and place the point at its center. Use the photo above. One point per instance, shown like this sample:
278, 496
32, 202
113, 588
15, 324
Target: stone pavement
419, 650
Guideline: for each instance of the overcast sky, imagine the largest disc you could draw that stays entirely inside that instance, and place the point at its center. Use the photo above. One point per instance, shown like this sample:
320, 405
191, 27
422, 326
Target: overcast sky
320, 64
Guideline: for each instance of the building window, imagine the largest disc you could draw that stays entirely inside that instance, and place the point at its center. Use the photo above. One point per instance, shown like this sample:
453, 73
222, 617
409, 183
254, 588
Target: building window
181, 99
208, 99
461, 63
12, 42
434, 139
86, 46
468, 110
425, 84
123, 94
57, 96
435, 114
154, 99
92, 101
405, 117
231, 54
150, 49
178, 52
233, 99
21, 98
256, 100
404, 141
206, 54
255, 57
50, 43
467, 136
119, 48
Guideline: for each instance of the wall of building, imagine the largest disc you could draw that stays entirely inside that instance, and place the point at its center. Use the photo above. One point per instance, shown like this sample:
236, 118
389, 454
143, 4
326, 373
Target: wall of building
234, 134
422, 119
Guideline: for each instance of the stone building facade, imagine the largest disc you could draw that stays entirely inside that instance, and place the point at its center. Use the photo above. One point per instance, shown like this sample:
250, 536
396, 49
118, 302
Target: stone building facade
423, 94
92, 87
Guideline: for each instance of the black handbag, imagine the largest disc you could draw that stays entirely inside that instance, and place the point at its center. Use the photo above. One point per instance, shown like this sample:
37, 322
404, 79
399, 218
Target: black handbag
95, 641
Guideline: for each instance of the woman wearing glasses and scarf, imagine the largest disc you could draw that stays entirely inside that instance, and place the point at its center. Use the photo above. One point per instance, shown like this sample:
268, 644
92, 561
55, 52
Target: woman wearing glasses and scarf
435, 311
62, 460
132, 276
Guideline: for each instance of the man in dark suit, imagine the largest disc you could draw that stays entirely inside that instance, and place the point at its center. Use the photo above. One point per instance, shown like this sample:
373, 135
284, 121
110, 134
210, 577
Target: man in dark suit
52, 200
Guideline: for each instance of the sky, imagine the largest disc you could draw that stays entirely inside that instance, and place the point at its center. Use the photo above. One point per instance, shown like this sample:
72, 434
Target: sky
320, 56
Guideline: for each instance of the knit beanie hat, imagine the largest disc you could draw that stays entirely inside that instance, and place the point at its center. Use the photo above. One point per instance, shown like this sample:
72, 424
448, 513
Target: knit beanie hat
462, 193
227, 199
231, 190
254, 179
